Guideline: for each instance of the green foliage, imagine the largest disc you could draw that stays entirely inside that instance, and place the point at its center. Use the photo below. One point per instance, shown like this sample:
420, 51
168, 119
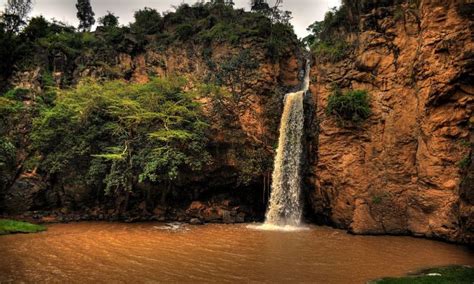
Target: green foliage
184, 31
12, 227
259, 5
7, 161
109, 20
353, 106
85, 15
235, 71
9, 112
10, 53
326, 39
444, 275
331, 52
147, 21
70, 44
17, 94
465, 162
465, 143
114, 132
38, 27
377, 199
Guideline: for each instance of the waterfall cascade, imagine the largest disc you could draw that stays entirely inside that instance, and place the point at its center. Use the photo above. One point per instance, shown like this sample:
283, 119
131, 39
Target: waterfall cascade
285, 208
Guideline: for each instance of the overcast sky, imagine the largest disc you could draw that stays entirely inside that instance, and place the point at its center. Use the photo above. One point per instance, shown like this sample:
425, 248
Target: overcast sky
305, 12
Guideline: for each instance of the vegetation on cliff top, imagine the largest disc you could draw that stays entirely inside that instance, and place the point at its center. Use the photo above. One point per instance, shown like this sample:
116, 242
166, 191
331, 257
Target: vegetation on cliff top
12, 227
39, 42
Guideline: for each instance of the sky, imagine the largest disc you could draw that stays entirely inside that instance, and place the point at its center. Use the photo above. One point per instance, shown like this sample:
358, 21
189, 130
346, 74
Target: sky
305, 12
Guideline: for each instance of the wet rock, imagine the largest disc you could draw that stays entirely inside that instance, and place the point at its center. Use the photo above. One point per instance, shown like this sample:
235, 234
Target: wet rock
196, 221
24, 194
240, 218
228, 217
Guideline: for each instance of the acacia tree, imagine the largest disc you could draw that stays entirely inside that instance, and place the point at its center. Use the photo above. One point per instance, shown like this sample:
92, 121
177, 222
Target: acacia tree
118, 135
85, 15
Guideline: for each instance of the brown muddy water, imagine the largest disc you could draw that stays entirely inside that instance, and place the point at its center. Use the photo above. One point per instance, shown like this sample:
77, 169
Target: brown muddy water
147, 253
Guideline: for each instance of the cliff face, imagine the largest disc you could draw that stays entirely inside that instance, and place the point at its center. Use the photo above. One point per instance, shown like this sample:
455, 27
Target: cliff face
400, 172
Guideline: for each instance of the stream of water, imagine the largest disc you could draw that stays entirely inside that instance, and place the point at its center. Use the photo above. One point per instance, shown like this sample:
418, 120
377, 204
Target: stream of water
150, 252
285, 208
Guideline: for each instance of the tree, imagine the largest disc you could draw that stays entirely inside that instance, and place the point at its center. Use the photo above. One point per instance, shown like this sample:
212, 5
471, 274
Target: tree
259, 5
109, 20
16, 14
38, 27
147, 21
223, 2
85, 15
234, 73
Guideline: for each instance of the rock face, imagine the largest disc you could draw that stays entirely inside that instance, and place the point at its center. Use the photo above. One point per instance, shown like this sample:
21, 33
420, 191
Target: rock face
399, 173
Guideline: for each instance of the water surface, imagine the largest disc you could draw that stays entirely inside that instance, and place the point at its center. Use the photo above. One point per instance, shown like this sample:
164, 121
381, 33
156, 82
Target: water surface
145, 253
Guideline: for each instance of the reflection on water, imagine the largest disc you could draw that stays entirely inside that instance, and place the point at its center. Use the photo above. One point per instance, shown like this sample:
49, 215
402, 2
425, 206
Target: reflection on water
282, 228
131, 253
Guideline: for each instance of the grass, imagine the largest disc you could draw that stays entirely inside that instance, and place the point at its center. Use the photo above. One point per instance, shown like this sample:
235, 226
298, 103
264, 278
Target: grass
442, 275
12, 227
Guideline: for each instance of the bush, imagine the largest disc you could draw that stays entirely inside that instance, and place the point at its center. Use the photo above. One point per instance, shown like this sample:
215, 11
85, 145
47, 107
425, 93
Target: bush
465, 162
352, 106
331, 52
17, 94
147, 21
184, 31
109, 20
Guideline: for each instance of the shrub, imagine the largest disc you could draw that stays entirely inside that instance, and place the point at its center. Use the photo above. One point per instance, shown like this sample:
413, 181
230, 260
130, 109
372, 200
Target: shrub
147, 21
331, 52
184, 31
17, 94
353, 106
109, 20
465, 162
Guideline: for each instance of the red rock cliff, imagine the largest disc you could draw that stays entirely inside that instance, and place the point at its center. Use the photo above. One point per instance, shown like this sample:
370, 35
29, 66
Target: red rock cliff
399, 173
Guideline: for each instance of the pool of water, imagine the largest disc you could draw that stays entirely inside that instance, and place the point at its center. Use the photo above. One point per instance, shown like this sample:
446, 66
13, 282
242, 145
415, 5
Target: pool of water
150, 252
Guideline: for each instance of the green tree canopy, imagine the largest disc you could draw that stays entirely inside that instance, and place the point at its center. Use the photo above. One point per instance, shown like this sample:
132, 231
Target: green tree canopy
85, 15
109, 20
119, 134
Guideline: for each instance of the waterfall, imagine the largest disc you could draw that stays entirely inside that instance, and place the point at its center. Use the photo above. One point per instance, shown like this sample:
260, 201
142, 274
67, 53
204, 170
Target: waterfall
285, 208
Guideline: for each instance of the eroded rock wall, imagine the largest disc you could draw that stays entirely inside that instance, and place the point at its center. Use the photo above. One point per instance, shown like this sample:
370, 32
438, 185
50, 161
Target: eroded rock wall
399, 173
